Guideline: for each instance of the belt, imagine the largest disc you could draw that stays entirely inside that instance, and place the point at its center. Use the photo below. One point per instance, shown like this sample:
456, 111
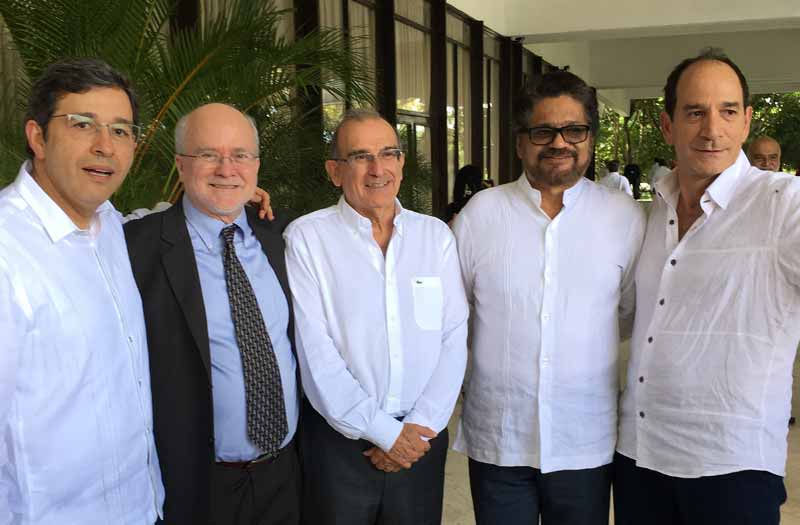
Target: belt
263, 458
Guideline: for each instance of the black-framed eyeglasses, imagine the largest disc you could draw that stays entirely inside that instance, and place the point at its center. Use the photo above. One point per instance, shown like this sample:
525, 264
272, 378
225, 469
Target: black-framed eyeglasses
212, 158
86, 126
362, 158
572, 134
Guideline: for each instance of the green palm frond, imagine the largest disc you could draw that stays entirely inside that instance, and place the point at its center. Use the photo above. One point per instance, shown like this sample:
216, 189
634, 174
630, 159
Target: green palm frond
237, 56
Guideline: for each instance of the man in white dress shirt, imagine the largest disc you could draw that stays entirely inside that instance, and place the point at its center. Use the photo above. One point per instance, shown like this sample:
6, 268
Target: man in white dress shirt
614, 180
381, 322
76, 442
548, 266
659, 170
703, 416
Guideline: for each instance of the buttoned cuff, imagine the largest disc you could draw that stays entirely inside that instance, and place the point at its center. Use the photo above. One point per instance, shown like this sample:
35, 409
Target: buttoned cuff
383, 431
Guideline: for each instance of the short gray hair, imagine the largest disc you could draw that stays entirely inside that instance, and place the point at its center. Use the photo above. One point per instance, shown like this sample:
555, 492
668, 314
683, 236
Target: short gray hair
356, 115
180, 128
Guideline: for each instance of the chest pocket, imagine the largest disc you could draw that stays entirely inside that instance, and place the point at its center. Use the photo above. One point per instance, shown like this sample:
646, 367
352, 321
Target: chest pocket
428, 302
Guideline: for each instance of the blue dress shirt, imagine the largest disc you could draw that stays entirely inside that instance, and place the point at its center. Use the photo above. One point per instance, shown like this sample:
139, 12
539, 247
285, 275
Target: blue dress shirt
227, 378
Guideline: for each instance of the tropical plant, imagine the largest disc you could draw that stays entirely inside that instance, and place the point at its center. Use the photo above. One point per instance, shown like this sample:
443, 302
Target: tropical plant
634, 139
236, 55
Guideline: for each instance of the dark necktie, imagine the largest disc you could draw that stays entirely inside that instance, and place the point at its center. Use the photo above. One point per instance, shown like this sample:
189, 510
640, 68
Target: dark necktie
266, 413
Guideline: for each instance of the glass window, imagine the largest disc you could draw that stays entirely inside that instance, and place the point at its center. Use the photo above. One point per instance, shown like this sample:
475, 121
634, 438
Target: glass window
330, 14
451, 122
494, 138
457, 29
362, 34
487, 152
330, 17
491, 45
413, 55
418, 11
464, 109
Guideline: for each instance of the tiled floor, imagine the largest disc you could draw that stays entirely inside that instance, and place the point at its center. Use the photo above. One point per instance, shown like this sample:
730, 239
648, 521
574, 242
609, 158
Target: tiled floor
458, 503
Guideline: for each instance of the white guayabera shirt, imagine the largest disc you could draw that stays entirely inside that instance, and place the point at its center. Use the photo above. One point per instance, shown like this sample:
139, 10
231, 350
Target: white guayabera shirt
550, 301
377, 337
717, 323
76, 441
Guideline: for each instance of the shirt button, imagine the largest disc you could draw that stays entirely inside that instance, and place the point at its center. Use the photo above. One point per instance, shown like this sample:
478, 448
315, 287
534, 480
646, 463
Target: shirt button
671, 222
546, 317
673, 262
649, 339
661, 302
641, 379
130, 339
641, 415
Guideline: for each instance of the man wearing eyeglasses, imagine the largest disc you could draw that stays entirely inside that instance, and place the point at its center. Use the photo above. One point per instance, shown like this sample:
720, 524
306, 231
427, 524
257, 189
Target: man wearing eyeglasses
213, 283
548, 266
76, 441
381, 339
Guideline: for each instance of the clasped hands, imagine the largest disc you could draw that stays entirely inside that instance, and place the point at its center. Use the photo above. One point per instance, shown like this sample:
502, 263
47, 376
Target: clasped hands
408, 448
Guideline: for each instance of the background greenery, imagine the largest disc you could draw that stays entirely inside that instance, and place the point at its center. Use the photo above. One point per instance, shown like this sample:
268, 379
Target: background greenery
638, 138
237, 55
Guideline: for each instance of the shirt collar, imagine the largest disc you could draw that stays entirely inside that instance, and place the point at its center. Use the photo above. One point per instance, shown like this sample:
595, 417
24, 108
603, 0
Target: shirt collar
55, 221
535, 196
209, 228
359, 223
720, 191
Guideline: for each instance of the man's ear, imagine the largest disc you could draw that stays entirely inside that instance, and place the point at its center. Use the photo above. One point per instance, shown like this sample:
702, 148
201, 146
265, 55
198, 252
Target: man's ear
666, 127
331, 166
35, 135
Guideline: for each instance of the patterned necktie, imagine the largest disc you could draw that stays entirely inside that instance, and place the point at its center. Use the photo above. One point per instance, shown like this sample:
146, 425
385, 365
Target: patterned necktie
266, 414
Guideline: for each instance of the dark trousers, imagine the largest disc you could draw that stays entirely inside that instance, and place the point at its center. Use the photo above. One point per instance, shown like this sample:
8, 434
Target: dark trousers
342, 487
643, 496
519, 495
266, 493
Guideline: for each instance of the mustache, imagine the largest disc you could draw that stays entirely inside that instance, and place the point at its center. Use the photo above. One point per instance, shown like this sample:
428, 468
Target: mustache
558, 152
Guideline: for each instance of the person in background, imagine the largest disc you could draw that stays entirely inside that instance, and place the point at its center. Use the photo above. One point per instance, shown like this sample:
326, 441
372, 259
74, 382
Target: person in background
661, 170
634, 175
613, 180
76, 422
469, 181
765, 153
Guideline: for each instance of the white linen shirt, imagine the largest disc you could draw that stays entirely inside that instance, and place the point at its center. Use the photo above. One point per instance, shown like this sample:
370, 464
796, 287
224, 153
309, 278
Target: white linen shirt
550, 300
717, 323
377, 337
615, 181
76, 442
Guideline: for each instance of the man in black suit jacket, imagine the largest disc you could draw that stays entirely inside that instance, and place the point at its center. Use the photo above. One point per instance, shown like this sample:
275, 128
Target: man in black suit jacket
213, 470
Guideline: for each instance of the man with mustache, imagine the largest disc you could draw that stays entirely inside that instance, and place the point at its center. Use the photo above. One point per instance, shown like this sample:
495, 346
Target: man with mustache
702, 436
381, 339
76, 427
765, 153
548, 266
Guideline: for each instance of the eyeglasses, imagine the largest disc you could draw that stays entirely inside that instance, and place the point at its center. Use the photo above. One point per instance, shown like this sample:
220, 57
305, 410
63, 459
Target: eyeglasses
84, 125
362, 158
212, 158
544, 135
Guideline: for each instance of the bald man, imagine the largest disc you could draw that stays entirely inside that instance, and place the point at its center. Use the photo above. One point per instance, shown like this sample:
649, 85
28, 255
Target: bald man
213, 283
765, 153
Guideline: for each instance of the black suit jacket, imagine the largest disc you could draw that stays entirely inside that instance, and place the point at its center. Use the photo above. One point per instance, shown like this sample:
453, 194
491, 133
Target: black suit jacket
165, 270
